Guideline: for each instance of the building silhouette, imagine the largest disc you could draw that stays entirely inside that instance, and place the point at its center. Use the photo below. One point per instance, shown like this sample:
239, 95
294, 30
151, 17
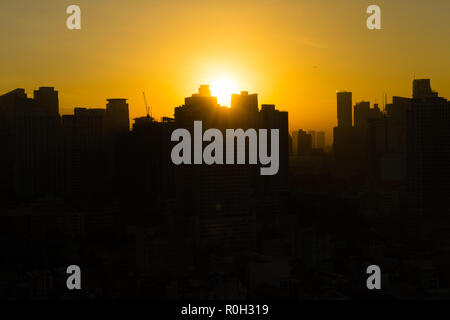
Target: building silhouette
428, 150
85, 188
304, 142
321, 140
31, 143
344, 109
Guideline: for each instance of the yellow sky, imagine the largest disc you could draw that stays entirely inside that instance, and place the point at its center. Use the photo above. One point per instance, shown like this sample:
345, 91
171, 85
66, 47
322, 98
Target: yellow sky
294, 54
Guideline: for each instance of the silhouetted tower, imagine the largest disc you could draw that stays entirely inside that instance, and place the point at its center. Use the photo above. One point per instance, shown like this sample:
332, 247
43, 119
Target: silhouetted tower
304, 142
245, 109
46, 98
320, 140
344, 109
117, 116
313, 138
422, 89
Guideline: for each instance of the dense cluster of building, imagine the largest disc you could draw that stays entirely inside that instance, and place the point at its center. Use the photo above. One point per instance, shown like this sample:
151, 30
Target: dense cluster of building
85, 189
407, 145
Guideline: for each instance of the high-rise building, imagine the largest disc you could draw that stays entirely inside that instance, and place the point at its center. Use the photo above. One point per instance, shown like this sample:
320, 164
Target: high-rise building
117, 119
428, 151
271, 118
344, 109
47, 100
218, 197
244, 102
304, 142
363, 114
294, 135
313, 138
244, 110
224, 199
422, 89
321, 140
84, 154
32, 138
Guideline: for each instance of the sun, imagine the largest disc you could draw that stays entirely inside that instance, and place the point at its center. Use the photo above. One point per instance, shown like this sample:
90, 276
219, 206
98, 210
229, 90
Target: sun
223, 88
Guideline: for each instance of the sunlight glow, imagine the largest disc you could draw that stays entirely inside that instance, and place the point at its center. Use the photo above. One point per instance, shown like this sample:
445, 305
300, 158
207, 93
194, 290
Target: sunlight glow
222, 88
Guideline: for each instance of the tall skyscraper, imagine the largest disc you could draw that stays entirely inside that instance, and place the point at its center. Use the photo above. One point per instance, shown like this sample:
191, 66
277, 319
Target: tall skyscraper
84, 156
428, 150
422, 89
47, 100
349, 142
33, 127
245, 109
218, 197
363, 114
244, 102
344, 109
321, 140
304, 142
313, 138
117, 120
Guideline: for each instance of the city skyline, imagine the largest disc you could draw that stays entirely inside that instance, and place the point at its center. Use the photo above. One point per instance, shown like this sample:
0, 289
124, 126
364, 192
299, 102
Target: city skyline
294, 53
327, 136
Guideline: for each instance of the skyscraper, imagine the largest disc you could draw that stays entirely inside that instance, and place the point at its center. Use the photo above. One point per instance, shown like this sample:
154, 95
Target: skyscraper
348, 141
84, 157
117, 120
422, 89
363, 114
304, 142
313, 138
32, 127
428, 150
321, 139
344, 109
218, 197
47, 99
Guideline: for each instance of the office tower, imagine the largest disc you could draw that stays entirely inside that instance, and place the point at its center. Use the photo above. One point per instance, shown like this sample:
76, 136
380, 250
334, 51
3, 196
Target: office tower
422, 89
321, 140
218, 197
46, 99
201, 106
204, 91
84, 154
428, 151
398, 108
294, 135
31, 136
313, 138
117, 119
151, 174
244, 102
270, 118
244, 110
361, 114
344, 109
349, 143
304, 142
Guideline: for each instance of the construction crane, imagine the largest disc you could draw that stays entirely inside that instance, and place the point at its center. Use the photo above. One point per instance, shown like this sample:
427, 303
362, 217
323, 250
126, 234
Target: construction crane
147, 108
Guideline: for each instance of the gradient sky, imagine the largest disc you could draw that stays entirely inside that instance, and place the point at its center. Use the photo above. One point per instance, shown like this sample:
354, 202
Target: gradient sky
293, 53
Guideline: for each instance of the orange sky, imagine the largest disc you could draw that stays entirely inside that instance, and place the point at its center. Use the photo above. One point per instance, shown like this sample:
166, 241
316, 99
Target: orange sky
294, 54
